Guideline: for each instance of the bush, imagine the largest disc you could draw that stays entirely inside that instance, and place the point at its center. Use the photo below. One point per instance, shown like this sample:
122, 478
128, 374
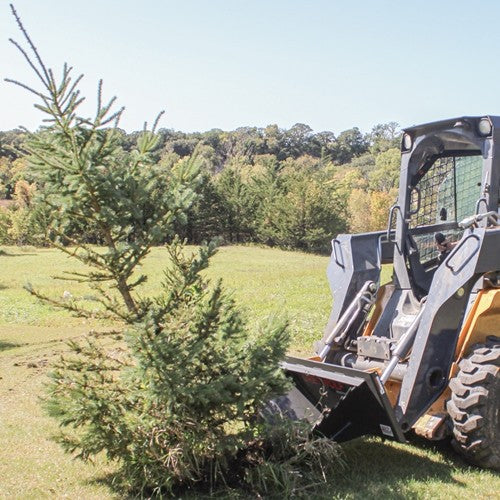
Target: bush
177, 402
24, 228
4, 227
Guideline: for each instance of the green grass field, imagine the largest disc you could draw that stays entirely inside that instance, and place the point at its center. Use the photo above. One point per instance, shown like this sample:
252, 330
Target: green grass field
263, 282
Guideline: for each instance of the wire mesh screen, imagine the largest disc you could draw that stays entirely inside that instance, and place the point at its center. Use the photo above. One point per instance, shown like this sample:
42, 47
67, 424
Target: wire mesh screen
447, 192
468, 172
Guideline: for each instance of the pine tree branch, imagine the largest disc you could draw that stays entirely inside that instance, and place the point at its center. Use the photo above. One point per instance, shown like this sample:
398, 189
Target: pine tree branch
68, 306
22, 85
33, 48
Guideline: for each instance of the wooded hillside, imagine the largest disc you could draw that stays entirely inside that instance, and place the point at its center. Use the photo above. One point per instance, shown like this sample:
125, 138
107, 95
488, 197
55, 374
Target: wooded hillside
290, 188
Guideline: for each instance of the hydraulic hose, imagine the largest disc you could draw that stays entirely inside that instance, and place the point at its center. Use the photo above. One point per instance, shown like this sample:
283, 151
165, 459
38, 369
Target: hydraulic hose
363, 301
402, 346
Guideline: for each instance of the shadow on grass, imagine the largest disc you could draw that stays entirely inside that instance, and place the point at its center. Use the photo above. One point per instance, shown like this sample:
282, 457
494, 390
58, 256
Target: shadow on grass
116, 487
24, 254
374, 469
8, 345
3, 253
378, 470
111, 481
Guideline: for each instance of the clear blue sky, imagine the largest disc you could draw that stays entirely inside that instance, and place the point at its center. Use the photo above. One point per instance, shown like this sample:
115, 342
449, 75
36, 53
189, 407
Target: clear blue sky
224, 64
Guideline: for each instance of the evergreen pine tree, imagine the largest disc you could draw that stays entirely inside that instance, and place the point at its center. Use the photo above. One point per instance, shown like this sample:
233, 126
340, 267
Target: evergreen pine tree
175, 402
91, 184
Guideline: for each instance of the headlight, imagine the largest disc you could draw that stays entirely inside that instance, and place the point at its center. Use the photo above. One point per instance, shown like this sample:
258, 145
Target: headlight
484, 127
407, 142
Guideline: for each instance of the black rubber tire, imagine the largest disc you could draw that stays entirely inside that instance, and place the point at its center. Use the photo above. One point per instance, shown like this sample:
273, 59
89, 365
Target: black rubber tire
474, 405
277, 409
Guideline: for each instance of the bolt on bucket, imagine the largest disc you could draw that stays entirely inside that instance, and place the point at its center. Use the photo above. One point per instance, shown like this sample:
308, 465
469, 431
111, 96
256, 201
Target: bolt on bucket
341, 403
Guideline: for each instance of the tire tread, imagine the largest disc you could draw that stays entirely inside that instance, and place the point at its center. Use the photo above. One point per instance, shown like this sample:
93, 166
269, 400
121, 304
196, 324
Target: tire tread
473, 406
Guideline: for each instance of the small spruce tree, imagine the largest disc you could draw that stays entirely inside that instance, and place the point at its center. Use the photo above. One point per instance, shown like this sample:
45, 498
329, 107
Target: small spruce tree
175, 402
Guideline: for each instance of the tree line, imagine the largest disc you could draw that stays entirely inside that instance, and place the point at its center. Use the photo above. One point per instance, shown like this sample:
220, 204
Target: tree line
290, 188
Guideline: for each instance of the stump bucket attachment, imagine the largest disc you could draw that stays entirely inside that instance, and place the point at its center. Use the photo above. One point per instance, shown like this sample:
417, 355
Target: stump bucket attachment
343, 403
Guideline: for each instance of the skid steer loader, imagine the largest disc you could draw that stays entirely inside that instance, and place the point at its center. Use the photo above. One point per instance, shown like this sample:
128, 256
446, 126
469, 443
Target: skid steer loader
421, 353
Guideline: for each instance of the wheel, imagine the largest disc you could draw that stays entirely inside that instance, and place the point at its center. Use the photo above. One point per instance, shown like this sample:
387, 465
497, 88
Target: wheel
474, 405
278, 409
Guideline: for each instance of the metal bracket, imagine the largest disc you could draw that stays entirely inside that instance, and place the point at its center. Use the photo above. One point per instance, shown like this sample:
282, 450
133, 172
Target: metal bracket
389, 222
460, 265
335, 241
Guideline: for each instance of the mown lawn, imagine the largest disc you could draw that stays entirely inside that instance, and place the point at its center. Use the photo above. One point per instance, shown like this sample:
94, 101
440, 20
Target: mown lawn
263, 282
